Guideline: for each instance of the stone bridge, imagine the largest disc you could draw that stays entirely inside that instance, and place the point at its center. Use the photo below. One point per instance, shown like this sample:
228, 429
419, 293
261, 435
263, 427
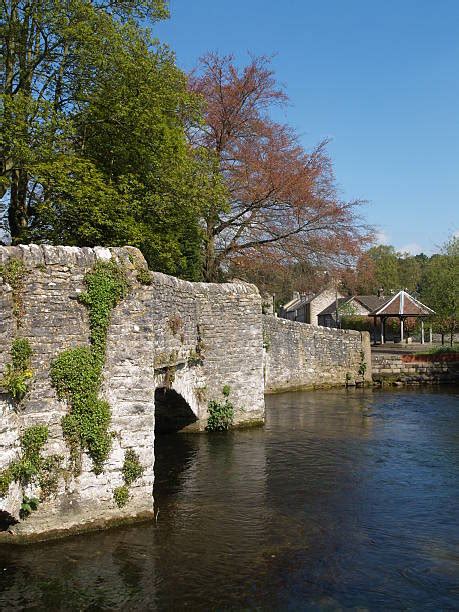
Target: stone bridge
171, 344
171, 348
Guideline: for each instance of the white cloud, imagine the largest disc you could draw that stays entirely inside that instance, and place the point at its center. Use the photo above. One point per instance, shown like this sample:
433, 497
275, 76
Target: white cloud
412, 248
381, 237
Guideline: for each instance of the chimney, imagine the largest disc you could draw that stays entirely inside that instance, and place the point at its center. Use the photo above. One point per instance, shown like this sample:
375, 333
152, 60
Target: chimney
381, 292
296, 295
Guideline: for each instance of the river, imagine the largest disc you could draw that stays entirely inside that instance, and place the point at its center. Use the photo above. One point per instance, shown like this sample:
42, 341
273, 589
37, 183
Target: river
344, 500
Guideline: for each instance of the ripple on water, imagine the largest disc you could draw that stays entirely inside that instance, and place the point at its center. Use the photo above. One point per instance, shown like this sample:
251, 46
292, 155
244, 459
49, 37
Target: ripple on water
345, 500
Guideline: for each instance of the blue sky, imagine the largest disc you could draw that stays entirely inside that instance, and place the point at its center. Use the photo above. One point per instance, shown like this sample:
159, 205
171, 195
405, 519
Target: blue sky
380, 79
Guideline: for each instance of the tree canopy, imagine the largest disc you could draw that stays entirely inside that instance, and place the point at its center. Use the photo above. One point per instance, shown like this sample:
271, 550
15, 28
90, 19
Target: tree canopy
283, 204
440, 288
94, 148
104, 140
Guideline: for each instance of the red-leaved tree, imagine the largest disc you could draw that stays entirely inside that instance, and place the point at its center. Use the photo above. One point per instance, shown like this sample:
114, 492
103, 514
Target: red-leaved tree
283, 204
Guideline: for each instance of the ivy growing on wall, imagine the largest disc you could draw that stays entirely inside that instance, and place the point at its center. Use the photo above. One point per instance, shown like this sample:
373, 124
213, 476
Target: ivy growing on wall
14, 272
76, 373
32, 467
132, 471
362, 365
18, 373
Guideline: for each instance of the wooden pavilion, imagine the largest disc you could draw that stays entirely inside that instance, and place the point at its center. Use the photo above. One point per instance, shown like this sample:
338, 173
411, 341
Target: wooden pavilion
402, 306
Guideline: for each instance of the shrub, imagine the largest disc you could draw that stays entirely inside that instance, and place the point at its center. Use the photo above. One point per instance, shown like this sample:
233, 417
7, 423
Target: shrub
106, 286
48, 475
132, 470
443, 350
144, 276
121, 496
29, 505
6, 478
17, 383
362, 365
221, 414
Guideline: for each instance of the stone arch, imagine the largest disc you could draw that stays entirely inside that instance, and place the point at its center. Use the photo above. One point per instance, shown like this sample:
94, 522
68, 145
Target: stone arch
7, 520
172, 411
183, 394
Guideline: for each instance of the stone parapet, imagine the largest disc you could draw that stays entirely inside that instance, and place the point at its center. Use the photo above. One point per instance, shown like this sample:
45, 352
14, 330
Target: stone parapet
299, 356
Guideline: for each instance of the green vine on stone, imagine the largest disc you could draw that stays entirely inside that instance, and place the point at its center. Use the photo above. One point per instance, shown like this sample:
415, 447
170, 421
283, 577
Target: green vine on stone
362, 365
32, 467
14, 272
132, 470
106, 287
18, 373
144, 276
196, 355
76, 373
121, 496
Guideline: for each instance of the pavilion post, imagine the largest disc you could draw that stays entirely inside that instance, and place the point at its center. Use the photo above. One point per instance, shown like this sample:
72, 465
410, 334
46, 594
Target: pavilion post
422, 331
383, 330
430, 334
401, 329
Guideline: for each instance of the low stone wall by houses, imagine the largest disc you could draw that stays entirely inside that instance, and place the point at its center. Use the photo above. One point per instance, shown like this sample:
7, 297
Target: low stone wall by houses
301, 356
393, 368
188, 338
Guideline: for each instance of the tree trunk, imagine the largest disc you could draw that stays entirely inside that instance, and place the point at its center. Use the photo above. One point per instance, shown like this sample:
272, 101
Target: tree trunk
210, 271
442, 338
18, 217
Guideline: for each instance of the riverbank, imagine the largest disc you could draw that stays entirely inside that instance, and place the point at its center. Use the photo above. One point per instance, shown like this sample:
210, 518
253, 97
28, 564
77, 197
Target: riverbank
410, 366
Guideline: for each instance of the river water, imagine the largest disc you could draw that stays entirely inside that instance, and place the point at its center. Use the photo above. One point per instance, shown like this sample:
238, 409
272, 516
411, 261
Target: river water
344, 500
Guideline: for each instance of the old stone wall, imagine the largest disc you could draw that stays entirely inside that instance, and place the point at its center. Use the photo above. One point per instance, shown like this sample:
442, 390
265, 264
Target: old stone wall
393, 368
193, 338
299, 355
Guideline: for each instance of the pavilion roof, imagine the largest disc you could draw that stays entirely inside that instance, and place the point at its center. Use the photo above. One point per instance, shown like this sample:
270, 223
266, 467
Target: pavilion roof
402, 304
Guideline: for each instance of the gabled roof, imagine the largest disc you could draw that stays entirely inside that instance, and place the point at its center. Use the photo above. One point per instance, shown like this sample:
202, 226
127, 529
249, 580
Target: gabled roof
332, 308
402, 304
305, 298
371, 302
296, 302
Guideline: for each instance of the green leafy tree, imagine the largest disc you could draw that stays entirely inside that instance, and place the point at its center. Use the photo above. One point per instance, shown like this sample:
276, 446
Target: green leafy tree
93, 146
132, 129
410, 270
440, 289
386, 269
50, 52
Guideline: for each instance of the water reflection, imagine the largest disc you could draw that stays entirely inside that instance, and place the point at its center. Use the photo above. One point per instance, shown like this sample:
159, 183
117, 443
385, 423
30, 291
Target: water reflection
345, 500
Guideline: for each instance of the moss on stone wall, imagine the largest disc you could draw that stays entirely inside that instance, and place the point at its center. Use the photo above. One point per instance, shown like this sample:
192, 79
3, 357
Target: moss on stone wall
132, 470
76, 373
18, 374
32, 468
